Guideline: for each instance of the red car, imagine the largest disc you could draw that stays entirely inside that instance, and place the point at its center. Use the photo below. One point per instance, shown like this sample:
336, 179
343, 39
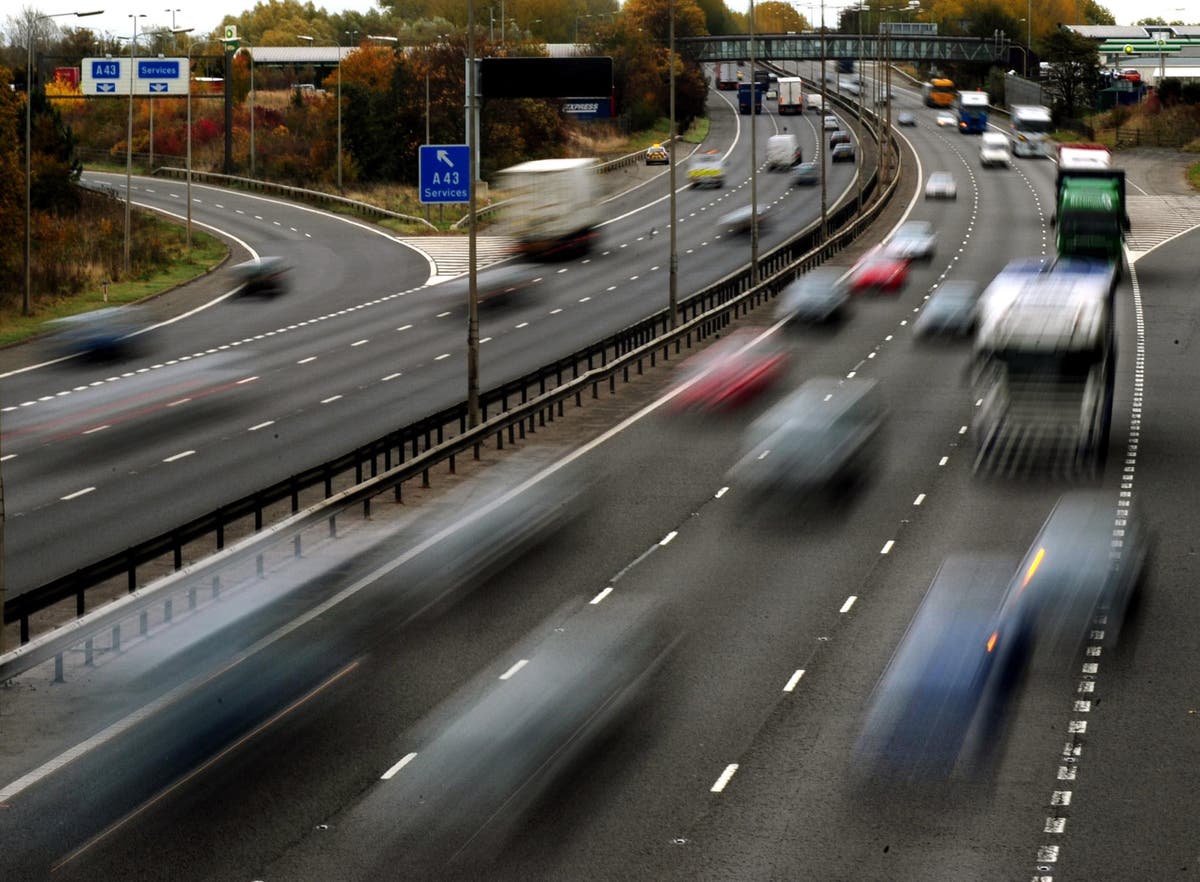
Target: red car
730, 372
879, 271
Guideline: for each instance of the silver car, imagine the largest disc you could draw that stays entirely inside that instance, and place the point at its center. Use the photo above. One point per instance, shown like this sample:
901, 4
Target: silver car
951, 310
915, 240
941, 186
819, 295
831, 123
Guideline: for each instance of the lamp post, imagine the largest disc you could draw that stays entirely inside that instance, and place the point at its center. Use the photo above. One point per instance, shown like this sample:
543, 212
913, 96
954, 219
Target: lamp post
192, 46
673, 263
134, 16
313, 40
753, 159
27, 300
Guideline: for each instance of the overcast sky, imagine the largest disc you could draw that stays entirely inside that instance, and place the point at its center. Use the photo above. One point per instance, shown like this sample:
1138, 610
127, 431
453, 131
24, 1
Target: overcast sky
204, 16
191, 14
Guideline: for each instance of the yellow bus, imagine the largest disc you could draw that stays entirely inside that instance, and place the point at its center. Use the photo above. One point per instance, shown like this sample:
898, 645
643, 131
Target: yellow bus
938, 93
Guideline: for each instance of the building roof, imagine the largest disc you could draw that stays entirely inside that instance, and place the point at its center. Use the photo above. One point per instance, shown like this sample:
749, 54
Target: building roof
304, 54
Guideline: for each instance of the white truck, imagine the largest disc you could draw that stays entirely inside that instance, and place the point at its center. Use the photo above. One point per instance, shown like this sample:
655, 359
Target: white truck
1031, 125
783, 151
993, 150
1045, 363
815, 102
552, 206
791, 96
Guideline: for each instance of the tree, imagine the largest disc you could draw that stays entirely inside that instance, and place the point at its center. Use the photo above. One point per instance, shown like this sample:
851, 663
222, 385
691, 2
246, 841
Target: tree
12, 197
776, 17
1095, 14
1074, 70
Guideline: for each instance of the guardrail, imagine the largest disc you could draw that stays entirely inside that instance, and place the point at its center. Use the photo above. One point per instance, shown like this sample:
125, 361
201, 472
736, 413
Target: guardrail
300, 193
440, 437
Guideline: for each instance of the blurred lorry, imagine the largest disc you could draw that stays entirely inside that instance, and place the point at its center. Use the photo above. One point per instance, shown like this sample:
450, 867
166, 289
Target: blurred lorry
1045, 363
972, 113
552, 206
783, 151
1031, 124
744, 98
1091, 213
938, 92
727, 76
791, 95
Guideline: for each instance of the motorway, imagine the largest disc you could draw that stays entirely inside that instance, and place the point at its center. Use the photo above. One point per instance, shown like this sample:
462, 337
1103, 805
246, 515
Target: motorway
248, 393
329, 752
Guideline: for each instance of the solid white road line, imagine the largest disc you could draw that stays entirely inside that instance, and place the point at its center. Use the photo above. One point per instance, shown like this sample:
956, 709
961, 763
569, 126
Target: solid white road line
408, 758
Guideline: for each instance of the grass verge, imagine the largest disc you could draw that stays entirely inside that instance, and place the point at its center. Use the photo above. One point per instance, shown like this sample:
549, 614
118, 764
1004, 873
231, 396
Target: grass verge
1193, 175
207, 252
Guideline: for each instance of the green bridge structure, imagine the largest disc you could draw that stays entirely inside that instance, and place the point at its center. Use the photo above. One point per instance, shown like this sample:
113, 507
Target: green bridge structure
807, 47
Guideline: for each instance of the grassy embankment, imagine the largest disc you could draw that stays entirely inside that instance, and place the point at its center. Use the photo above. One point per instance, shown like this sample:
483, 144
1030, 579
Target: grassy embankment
165, 263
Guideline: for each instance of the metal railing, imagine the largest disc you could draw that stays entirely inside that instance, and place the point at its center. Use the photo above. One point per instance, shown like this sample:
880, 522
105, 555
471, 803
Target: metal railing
410, 452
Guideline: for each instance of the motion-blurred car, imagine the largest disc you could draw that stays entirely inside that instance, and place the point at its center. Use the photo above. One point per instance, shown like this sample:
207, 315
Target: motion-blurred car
738, 220
878, 270
941, 698
805, 174
262, 276
946, 118
914, 240
831, 123
842, 153
1086, 561
819, 295
906, 118
822, 436
841, 136
494, 285
951, 310
730, 372
707, 170
656, 154
493, 752
102, 334
941, 186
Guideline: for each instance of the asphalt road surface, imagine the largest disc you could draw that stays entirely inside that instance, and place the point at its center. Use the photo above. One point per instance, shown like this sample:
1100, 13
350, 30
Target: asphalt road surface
732, 646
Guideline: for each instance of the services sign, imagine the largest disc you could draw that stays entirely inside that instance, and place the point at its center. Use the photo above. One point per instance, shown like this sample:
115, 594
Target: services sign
145, 76
444, 173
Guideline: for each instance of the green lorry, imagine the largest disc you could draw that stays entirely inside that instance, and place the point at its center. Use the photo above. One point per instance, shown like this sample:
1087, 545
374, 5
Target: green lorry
1092, 215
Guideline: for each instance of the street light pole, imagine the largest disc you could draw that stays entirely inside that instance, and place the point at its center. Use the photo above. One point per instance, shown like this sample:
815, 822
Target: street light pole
129, 136
27, 300
753, 159
673, 270
472, 279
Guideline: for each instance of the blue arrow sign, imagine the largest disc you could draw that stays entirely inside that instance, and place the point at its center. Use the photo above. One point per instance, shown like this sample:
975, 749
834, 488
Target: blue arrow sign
444, 174
106, 87
158, 87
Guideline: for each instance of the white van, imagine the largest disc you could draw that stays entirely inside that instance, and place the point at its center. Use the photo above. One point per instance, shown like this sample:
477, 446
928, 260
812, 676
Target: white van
783, 151
994, 150
814, 103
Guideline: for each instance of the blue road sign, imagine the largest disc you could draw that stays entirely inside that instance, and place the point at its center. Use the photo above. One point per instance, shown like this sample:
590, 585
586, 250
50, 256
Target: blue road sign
158, 69
106, 87
106, 70
158, 87
444, 173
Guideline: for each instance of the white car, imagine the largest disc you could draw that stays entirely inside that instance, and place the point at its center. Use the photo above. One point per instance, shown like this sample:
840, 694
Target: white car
946, 118
831, 123
941, 186
915, 240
